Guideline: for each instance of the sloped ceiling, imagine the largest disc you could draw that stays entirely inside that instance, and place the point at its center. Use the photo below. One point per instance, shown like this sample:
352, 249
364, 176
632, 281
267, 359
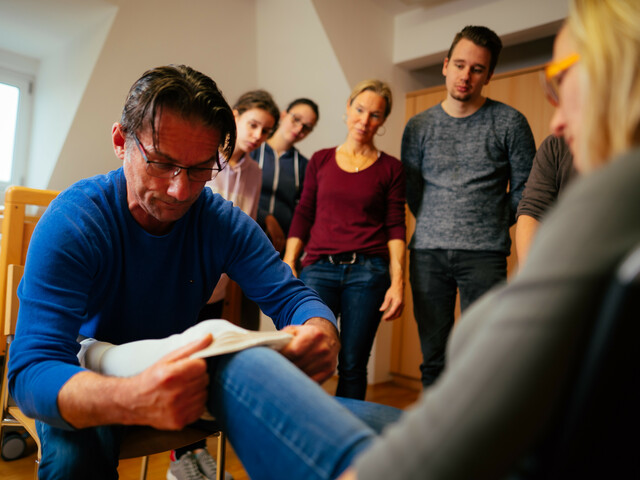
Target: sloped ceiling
35, 28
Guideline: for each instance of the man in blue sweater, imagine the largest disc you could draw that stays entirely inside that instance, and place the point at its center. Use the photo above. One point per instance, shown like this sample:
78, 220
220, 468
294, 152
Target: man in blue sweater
467, 160
134, 254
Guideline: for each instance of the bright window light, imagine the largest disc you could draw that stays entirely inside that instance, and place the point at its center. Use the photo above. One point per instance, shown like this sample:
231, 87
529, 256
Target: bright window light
9, 96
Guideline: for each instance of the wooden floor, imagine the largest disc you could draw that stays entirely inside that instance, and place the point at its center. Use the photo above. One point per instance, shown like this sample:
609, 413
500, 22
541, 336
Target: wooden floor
23, 468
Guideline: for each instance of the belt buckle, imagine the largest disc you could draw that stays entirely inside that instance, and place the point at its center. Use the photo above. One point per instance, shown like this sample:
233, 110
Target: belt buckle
334, 261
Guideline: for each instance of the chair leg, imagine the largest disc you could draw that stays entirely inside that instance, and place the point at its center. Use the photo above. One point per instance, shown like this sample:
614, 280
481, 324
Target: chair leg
222, 441
143, 468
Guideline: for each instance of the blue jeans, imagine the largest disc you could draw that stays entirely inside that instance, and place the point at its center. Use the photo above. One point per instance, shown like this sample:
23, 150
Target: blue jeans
355, 293
279, 422
435, 275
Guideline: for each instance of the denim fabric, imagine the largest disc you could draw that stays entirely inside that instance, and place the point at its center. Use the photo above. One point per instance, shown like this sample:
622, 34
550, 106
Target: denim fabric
283, 425
355, 292
79, 454
435, 275
88, 452
279, 422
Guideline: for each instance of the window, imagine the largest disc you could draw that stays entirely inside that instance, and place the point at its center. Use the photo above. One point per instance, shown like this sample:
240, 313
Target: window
9, 96
15, 98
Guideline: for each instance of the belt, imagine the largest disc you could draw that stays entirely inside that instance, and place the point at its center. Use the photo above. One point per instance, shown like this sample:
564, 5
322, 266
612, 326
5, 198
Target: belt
342, 258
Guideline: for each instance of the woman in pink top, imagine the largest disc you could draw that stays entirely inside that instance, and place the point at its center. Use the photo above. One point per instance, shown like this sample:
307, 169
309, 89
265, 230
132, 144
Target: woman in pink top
350, 222
240, 181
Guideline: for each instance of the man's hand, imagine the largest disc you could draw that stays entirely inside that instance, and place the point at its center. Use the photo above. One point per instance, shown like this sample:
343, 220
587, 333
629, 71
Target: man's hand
314, 348
168, 395
173, 392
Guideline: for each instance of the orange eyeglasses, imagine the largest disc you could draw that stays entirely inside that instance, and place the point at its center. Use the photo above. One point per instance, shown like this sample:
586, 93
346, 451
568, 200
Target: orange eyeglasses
552, 75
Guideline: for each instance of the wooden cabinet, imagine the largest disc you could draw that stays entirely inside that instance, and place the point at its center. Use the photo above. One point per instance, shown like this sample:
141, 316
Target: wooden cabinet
522, 90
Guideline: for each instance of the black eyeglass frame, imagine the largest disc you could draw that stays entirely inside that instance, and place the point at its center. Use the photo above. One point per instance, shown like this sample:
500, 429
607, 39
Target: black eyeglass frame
296, 120
170, 170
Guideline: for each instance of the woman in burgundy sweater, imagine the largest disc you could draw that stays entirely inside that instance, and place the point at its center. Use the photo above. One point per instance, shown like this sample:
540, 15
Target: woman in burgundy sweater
351, 224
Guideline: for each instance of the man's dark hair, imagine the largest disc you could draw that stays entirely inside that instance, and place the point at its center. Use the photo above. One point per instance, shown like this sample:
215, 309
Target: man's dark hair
184, 91
483, 37
308, 102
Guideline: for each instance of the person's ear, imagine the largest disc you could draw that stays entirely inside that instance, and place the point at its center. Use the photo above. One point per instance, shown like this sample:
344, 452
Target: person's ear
283, 114
118, 140
444, 66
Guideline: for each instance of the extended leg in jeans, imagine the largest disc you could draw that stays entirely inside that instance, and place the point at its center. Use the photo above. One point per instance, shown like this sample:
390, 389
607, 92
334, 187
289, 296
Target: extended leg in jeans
281, 423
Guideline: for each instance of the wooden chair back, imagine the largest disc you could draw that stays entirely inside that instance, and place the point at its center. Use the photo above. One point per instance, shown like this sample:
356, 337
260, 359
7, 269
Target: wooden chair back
11, 414
23, 207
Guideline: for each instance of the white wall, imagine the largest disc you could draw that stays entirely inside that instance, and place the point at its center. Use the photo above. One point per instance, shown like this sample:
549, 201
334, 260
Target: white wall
17, 62
60, 86
296, 59
217, 37
424, 35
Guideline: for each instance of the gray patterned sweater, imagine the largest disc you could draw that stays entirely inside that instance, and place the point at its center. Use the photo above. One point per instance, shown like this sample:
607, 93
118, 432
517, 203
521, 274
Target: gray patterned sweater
465, 176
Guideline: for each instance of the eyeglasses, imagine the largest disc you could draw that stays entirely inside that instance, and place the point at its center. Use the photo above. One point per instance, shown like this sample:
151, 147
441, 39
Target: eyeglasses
170, 170
553, 74
296, 120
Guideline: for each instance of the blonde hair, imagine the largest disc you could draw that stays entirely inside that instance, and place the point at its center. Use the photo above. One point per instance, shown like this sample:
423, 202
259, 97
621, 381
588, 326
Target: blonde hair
607, 36
376, 86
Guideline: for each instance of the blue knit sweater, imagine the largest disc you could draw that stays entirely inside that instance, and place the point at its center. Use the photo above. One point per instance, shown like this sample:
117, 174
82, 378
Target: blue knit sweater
92, 270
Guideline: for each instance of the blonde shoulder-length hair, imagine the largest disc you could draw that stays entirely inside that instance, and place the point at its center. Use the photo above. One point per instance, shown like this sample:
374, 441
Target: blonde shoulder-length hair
607, 36
376, 86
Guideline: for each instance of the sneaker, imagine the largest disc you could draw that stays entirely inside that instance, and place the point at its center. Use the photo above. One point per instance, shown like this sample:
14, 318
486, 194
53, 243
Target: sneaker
208, 466
185, 468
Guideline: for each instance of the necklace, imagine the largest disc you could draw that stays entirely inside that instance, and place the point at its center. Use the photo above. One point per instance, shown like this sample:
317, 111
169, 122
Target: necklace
358, 161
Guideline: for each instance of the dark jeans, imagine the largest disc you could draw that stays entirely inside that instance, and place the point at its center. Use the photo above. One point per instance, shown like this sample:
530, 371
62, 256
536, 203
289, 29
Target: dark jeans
435, 275
355, 292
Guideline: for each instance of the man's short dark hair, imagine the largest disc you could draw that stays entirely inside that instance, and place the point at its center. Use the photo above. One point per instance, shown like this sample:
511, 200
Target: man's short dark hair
184, 91
483, 37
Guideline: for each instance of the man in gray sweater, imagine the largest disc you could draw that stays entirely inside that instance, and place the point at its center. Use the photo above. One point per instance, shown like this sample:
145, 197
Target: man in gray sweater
467, 160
